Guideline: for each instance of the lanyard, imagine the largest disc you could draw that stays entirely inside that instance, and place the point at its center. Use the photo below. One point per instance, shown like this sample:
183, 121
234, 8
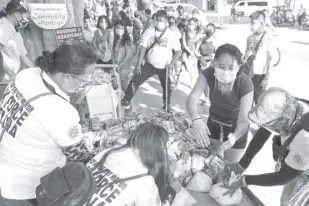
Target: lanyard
51, 88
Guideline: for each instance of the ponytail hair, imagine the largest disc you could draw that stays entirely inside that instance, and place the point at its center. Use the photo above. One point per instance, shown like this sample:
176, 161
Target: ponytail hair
68, 59
46, 61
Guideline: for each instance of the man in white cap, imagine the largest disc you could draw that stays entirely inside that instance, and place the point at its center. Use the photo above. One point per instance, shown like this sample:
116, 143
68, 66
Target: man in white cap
288, 117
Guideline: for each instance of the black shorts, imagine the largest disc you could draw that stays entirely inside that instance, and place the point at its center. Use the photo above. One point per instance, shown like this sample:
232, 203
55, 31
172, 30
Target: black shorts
214, 129
106, 69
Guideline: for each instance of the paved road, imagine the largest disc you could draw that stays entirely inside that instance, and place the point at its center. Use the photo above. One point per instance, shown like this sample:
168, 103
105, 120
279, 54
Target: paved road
292, 74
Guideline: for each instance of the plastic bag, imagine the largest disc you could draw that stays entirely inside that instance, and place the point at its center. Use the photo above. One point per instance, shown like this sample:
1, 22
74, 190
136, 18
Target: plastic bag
183, 198
197, 163
200, 182
177, 147
216, 192
169, 126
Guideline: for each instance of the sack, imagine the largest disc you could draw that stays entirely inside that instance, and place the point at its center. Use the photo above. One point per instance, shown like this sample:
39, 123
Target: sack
71, 185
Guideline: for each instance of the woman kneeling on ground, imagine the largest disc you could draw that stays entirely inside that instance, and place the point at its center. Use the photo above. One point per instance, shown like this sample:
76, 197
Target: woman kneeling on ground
231, 95
140, 165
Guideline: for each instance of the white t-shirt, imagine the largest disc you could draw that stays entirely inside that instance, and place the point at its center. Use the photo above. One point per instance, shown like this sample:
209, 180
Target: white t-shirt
161, 54
138, 192
267, 49
30, 148
12, 46
298, 157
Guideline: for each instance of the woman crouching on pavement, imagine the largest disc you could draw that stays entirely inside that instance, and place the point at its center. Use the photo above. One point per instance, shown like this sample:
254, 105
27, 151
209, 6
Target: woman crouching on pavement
140, 167
45, 133
123, 51
279, 112
231, 95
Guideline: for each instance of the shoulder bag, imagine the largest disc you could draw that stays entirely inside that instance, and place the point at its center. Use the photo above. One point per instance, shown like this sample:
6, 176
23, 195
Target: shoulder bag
247, 67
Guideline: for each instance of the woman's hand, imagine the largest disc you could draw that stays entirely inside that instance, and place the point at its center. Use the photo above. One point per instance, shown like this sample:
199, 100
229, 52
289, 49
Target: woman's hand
229, 143
138, 70
202, 132
203, 61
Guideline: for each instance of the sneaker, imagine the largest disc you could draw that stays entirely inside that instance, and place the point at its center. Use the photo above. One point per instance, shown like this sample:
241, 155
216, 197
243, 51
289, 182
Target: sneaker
126, 104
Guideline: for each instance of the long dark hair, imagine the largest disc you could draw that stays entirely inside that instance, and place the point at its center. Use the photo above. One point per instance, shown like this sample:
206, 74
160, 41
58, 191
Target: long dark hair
109, 24
150, 142
126, 39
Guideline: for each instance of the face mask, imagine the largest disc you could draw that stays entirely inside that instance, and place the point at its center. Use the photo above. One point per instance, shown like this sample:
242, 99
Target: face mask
209, 33
191, 27
225, 77
160, 26
119, 32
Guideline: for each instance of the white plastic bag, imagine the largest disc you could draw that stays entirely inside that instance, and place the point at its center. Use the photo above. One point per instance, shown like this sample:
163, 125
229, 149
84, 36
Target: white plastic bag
183, 198
200, 182
216, 192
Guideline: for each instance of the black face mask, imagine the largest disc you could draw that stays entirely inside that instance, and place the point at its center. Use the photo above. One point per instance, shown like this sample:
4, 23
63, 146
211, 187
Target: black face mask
209, 33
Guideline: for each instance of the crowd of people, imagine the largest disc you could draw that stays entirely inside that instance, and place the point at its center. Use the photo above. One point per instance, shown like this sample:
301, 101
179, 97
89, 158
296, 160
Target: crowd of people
38, 138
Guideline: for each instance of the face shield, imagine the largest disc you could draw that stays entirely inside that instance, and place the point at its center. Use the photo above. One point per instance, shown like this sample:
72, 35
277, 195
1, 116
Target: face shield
78, 85
22, 15
277, 111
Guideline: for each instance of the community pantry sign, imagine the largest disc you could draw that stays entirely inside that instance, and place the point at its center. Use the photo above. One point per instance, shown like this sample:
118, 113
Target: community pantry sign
49, 16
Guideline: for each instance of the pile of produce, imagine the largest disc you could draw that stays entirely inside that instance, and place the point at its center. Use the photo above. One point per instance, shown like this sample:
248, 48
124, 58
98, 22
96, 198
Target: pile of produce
186, 157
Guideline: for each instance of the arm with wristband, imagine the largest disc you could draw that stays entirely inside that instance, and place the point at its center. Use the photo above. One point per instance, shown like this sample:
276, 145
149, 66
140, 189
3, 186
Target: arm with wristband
199, 126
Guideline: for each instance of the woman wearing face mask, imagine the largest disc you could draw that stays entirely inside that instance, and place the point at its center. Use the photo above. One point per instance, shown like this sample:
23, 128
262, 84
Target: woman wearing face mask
144, 159
123, 51
206, 48
231, 95
46, 133
190, 37
103, 41
12, 46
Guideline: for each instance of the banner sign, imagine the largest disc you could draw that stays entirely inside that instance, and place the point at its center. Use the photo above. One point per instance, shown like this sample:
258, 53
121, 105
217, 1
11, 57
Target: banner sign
70, 35
49, 16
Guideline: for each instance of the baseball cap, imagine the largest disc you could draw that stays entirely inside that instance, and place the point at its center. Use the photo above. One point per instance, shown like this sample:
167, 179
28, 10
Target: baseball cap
273, 104
16, 6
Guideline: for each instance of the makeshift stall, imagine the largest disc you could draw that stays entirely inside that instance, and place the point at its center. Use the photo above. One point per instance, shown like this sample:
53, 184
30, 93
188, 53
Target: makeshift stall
186, 159
101, 98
